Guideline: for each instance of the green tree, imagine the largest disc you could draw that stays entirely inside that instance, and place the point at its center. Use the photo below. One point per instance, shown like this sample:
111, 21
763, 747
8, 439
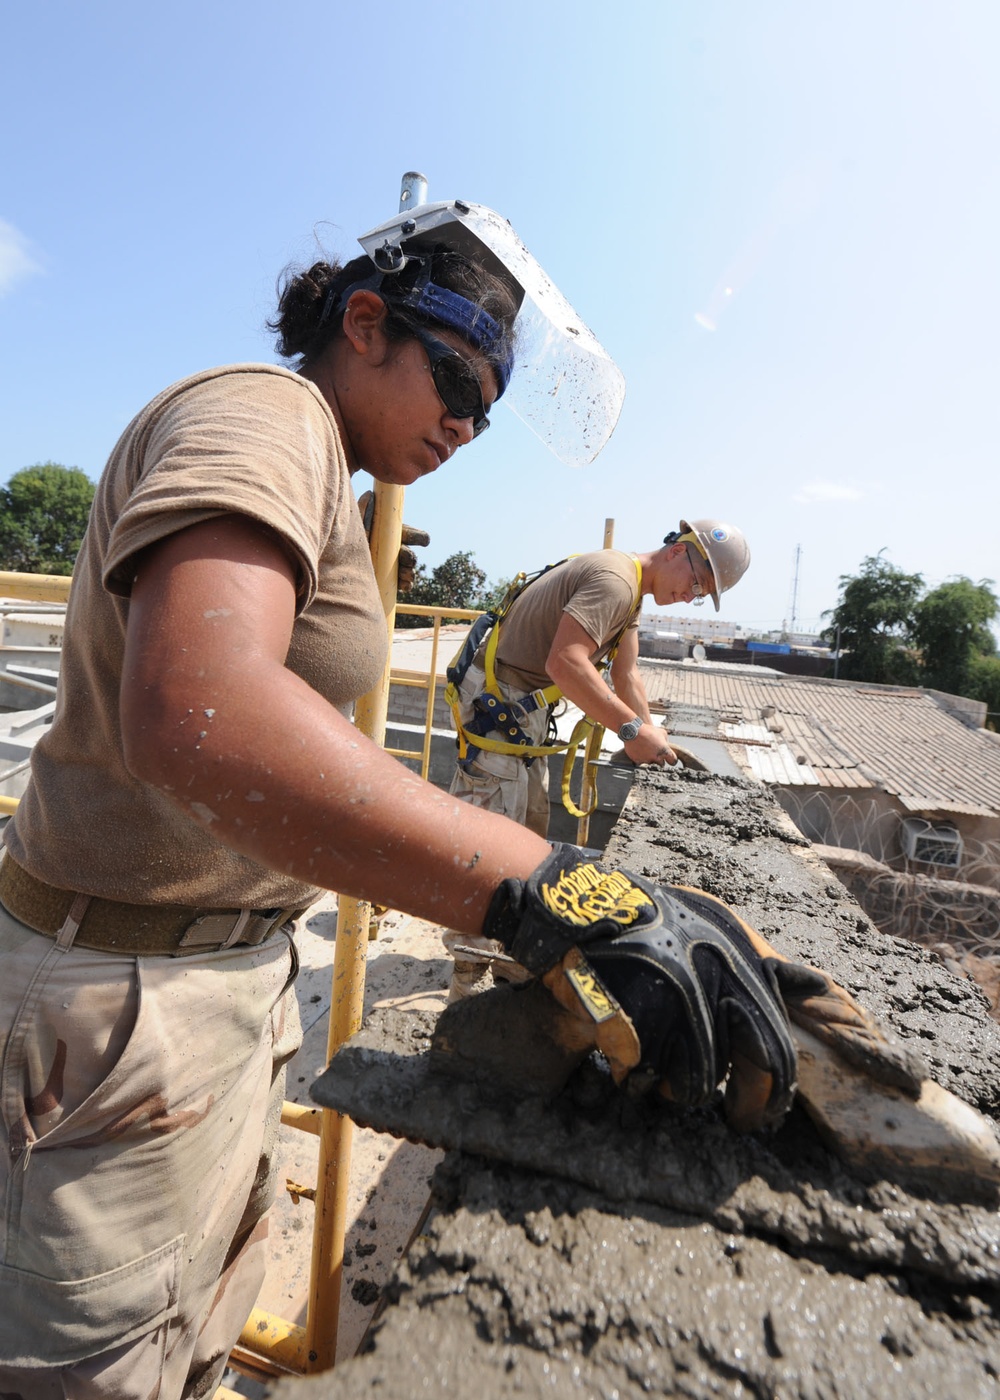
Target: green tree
43, 514
951, 626
873, 622
984, 684
493, 593
457, 583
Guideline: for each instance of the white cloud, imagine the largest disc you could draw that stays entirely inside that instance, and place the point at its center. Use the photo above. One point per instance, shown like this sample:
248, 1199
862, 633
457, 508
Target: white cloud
16, 261
822, 492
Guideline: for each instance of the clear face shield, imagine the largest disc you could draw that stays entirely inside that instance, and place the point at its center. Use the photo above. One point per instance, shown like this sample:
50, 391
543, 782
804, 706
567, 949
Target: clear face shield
565, 385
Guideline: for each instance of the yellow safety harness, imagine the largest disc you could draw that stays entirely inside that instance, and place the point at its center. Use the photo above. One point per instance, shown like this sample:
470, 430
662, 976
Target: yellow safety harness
501, 716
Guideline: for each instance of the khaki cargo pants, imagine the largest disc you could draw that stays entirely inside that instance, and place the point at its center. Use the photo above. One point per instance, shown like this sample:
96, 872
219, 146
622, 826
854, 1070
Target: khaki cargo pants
140, 1101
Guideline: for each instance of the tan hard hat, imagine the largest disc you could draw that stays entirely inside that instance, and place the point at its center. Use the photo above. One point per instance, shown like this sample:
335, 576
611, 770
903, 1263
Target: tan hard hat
725, 549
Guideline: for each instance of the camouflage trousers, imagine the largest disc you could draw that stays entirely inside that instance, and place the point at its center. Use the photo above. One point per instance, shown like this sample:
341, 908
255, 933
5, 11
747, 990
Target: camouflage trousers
140, 1104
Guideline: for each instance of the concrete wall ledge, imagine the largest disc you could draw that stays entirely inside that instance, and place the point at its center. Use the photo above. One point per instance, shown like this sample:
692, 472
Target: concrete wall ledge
784, 1275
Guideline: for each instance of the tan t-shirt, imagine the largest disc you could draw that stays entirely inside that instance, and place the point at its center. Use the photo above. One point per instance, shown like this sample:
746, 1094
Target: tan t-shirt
255, 440
599, 590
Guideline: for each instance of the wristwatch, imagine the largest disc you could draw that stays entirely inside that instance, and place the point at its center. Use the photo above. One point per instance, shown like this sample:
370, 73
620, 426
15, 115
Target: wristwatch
630, 729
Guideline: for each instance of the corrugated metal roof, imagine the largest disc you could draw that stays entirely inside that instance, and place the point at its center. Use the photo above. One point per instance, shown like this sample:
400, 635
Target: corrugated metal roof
839, 735
778, 762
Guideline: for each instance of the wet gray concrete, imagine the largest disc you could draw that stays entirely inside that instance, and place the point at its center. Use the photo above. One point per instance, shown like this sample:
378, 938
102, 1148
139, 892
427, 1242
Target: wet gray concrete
630, 1251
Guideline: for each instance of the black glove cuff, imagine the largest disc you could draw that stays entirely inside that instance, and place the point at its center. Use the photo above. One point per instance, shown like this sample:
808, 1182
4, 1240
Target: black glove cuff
503, 917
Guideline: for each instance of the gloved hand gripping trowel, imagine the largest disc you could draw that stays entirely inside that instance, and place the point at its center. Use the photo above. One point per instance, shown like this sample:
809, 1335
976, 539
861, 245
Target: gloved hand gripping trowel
679, 994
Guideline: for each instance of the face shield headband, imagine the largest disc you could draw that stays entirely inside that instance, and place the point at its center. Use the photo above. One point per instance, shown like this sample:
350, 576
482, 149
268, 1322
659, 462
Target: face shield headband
439, 304
567, 389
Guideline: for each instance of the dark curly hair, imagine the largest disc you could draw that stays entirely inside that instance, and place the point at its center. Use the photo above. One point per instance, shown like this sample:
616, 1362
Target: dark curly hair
304, 328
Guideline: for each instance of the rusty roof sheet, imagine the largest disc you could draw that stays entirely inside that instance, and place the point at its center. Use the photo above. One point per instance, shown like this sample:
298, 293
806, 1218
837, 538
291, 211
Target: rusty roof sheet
842, 735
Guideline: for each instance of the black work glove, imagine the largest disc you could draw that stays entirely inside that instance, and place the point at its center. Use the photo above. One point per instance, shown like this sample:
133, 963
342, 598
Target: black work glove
675, 988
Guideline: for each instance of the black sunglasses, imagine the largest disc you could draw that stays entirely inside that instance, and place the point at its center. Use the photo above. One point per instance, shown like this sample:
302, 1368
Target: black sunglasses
455, 380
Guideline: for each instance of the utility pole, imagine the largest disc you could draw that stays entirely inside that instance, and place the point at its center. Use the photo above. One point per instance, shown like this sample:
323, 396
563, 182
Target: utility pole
795, 587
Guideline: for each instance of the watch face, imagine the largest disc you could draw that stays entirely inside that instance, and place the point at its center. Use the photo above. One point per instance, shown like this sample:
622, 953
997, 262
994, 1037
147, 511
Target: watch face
630, 729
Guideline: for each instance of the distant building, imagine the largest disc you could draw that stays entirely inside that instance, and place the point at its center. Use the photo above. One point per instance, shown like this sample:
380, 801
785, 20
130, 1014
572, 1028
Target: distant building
897, 787
702, 627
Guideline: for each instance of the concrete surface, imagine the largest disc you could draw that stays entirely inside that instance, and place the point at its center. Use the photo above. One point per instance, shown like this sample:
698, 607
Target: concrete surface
689, 1261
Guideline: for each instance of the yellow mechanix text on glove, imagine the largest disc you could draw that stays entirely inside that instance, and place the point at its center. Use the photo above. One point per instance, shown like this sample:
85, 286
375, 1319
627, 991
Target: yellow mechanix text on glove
585, 895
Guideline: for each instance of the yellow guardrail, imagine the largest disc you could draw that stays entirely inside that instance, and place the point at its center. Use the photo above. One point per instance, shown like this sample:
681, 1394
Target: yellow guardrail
35, 588
419, 680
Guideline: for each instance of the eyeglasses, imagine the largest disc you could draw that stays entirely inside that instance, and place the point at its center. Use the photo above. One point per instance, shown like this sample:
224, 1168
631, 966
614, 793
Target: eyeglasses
455, 380
700, 593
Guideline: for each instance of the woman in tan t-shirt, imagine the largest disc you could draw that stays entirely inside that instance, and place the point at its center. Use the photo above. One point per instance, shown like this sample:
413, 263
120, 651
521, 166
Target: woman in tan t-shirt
200, 784
224, 615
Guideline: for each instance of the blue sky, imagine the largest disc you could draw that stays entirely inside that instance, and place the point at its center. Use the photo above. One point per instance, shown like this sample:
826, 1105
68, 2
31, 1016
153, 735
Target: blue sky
817, 183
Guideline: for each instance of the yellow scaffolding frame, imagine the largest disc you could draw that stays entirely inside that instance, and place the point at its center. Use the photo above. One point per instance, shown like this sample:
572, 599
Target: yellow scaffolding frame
418, 681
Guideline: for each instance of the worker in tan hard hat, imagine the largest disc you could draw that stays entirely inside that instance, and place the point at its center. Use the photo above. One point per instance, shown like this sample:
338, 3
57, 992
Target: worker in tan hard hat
722, 547
573, 633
